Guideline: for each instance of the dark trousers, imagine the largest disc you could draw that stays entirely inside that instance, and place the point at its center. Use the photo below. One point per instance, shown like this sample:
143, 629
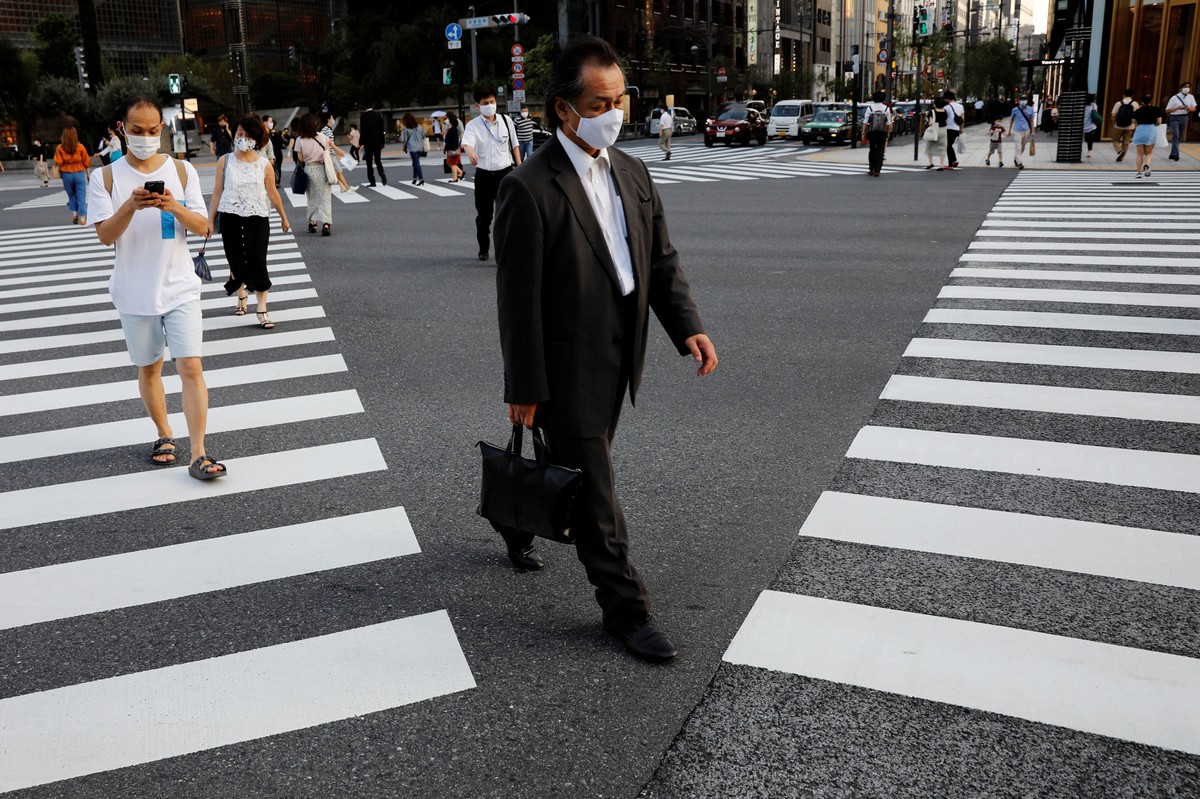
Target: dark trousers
371, 155
486, 184
278, 167
951, 137
245, 239
877, 142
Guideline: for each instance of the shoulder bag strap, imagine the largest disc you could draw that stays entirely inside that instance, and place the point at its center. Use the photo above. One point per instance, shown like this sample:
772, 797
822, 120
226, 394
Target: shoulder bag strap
181, 170
106, 174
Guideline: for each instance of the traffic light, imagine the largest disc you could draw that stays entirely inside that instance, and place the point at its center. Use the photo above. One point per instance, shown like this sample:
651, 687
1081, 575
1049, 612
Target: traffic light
923, 21
505, 20
175, 83
292, 53
81, 69
447, 76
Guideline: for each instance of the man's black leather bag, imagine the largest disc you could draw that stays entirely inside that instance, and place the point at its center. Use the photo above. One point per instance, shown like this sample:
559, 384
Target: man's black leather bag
527, 495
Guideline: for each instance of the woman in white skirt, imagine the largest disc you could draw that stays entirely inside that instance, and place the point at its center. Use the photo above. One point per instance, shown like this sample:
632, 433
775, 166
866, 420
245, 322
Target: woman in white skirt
935, 134
309, 148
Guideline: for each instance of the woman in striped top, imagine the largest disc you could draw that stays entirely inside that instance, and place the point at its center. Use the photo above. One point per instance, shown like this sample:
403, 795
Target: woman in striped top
327, 132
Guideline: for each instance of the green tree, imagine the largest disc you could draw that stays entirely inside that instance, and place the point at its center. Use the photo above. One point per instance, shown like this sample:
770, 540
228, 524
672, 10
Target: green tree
55, 40
539, 60
63, 96
991, 64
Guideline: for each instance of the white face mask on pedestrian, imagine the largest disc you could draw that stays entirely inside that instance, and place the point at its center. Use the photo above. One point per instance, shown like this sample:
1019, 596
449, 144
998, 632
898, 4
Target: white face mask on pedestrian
142, 147
488, 109
600, 132
243, 145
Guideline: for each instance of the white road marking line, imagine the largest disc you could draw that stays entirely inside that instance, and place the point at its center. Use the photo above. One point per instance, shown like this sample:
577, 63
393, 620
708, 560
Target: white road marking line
157, 487
55, 245
56, 277
80, 396
1073, 246
1149, 299
1064, 321
392, 193
116, 360
672, 174
29, 344
1173, 408
150, 715
724, 173
75, 255
110, 314
1085, 277
1055, 355
1162, 471
1081, 260
297, 200
223, 418
1118, 238
1111, 229
1103, 689
48, 593
215, 257
96, 299
1156, 217
437, 191
1104, 550
349, 197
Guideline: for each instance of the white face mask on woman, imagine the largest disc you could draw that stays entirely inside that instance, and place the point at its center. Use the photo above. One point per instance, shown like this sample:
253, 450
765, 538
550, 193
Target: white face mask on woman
243, 145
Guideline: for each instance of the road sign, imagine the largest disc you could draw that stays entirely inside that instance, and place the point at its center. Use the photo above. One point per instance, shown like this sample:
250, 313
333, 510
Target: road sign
518, 59
454, 45
518, 84
453, 32
518, 69
519, 95
473, 23
517, 50
883, 56
722, 78
721, 72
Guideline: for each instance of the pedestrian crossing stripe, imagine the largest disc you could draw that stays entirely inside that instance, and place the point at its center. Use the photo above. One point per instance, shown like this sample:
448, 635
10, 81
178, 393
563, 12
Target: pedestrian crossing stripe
48, 278
150, 715
1122, 692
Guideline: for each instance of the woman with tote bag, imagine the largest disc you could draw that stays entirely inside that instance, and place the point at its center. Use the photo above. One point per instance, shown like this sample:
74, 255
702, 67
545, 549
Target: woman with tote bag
312, 152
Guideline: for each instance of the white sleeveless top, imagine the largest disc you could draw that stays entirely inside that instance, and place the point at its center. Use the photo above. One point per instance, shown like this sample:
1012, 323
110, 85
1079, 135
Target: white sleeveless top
245, 193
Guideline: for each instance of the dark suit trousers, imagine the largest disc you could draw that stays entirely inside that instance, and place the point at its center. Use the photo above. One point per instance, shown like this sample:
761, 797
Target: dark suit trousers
371, 156
487, 182
877, 142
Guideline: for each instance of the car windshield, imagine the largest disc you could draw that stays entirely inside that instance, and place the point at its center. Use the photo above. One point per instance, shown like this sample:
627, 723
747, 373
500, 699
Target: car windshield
830, 116
736, 114
785, 111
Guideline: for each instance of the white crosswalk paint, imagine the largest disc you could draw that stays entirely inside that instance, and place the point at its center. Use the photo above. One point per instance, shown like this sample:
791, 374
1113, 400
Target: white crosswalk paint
63, 501
1173, 408
1055, 355
349, 197
61, 277
68, 270
1064, 321
32, 343
1109, 228
1075, 246
1082, 260
146, 716
101, 393
1092, 297
989, 273
436, 190
1120, 692
221, 418
1164, 471
47, 593
116, 360
1104, 550
392, 193
1117, 237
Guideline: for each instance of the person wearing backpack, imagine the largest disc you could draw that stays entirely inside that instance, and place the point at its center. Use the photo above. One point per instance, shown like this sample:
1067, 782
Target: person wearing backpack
877, 127
955, 121
1123, 123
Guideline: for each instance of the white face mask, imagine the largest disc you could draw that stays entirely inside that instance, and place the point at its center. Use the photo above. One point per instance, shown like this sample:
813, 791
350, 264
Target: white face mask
1184, 91
488, 109
1022, 103
142, 147
600, 132
270, 126
243, 145
525, 114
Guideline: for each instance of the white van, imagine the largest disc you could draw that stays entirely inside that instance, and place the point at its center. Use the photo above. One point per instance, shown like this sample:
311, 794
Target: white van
788, 117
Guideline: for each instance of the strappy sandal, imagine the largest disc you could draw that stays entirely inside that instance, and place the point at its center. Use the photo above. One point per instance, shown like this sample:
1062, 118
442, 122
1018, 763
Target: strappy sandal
240, 310
264, 321
200, 470
159, 449
312, 227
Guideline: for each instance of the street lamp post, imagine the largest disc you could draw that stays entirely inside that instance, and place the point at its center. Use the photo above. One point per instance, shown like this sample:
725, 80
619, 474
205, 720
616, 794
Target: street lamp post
708, 36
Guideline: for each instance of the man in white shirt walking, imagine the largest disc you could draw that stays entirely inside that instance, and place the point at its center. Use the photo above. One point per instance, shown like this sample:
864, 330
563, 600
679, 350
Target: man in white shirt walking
877, 127
1179, 109
666, 127
146, 204
955, 120
490, 141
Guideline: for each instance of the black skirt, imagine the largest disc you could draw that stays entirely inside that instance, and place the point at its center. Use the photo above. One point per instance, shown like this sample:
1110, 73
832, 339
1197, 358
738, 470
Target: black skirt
244, 239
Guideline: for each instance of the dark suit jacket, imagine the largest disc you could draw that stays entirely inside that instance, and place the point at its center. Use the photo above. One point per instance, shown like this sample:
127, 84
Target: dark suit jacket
370, 129
568, 340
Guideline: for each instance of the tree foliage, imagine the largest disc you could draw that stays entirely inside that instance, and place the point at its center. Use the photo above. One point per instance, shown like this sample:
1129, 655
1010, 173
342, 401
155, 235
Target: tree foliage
55, 41
992, 66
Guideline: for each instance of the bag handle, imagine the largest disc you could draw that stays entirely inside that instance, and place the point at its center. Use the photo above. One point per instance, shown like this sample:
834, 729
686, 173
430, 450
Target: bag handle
541, 450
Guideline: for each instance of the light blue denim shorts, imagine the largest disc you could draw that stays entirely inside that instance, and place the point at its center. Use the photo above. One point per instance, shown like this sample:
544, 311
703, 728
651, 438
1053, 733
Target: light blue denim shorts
179, 329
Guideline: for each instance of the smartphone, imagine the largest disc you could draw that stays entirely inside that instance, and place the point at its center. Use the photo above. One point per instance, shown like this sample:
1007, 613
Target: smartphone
155, 186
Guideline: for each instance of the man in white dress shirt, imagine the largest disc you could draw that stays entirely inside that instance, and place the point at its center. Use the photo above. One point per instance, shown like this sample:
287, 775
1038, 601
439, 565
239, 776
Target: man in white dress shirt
583, 256
1180, 108
490, 141
666, 127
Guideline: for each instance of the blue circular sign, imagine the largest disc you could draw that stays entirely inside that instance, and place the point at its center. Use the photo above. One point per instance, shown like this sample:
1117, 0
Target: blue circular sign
453, 32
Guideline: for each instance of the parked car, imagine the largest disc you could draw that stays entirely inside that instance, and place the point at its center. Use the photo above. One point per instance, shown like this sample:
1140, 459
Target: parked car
737, 124
685, 123
540, 135
788, 117
827, 127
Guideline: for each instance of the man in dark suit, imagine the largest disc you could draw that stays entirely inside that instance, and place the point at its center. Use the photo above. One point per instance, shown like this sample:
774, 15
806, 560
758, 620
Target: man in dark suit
371, 138
583, 255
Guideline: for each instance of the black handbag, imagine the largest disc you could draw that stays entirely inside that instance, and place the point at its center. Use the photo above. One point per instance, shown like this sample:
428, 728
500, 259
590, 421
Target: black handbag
527, 495
299, 180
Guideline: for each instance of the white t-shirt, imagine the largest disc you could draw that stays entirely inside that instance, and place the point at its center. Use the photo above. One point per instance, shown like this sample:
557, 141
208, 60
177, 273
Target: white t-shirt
954, 107
1187, 101
666, 121
153, 272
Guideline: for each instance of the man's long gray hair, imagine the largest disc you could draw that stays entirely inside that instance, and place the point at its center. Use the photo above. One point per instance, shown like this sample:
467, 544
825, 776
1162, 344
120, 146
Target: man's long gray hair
566, 78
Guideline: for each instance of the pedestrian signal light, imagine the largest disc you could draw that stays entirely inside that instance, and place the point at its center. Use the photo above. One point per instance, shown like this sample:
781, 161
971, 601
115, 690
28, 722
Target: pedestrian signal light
923, 21
175, 83
447, 76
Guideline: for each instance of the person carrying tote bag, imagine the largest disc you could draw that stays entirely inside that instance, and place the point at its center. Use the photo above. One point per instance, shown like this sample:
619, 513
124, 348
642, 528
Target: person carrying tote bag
416, 145
313, 154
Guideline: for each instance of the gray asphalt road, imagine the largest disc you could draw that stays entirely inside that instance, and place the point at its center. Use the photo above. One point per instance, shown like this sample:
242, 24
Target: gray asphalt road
810, 286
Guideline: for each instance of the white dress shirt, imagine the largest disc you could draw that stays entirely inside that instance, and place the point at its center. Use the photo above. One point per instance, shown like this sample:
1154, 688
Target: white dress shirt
596, 176
666, 121
493, 142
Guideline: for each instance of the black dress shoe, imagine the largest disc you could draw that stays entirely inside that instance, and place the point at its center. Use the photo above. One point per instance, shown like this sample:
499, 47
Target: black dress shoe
527, 559
483, 256
650, 643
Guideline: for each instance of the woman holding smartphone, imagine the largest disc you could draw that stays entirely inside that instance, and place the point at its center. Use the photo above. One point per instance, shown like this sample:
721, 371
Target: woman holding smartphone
242, 198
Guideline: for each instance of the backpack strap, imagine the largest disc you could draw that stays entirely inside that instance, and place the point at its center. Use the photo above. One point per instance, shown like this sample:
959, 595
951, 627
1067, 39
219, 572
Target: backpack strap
180, 170
106, 174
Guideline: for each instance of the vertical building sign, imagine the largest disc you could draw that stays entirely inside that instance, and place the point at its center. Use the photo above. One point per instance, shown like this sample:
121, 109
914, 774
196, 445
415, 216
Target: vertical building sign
778, 52
752, 32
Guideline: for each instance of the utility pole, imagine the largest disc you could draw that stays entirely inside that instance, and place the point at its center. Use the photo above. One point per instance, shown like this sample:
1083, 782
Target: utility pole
474, 59
708, 33
891, 38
